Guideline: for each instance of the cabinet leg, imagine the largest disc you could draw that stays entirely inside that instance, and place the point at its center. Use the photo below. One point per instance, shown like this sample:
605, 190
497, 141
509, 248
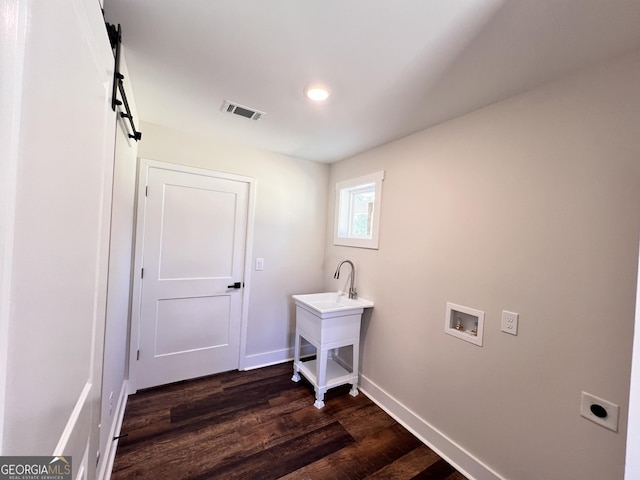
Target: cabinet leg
356, 371
321, 377
296, 358
319, 403
321, 369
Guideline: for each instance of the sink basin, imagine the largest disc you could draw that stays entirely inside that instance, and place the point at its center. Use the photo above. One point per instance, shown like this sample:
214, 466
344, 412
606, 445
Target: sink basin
332, 302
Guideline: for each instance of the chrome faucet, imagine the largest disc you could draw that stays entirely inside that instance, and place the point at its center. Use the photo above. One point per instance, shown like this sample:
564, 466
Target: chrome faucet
352, 289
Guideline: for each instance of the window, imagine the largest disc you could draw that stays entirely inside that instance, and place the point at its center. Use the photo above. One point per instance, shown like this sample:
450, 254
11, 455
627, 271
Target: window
358, 211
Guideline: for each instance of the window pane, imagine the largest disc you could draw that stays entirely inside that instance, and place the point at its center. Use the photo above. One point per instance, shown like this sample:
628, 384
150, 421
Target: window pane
361, 212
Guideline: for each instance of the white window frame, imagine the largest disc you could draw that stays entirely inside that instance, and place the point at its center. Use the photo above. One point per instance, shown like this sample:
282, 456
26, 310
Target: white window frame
343, 212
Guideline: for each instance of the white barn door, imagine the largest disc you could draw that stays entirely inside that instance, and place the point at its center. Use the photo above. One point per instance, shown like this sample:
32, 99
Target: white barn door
58, 144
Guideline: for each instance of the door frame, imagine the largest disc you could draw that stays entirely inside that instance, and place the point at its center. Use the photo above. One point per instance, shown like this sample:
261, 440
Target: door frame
632, 463
143, 172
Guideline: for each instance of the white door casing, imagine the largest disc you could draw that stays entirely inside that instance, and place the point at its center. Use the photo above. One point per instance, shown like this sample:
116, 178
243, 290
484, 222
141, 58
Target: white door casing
192, 243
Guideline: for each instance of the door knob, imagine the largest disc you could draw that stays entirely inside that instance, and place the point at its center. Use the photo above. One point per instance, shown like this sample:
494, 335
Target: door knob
235, 285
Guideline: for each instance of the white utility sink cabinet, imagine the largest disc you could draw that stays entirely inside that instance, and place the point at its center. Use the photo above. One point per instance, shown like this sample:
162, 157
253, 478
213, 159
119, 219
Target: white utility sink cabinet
328, 321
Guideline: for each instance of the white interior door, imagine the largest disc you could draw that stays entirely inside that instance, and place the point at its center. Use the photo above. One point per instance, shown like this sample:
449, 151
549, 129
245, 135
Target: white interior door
195, 229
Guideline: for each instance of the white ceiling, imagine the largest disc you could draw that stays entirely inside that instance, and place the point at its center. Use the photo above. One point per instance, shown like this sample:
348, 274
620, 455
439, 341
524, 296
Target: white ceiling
395, 67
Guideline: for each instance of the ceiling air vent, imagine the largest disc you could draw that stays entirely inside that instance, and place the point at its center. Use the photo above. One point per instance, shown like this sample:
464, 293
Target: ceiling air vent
246, 112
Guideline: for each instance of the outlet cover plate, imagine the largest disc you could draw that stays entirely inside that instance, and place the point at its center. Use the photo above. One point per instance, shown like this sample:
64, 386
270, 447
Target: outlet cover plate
590, 402
509, 322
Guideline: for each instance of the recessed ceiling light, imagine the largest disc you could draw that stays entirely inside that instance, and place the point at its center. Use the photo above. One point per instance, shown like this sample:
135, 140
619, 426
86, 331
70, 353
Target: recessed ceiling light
317, 92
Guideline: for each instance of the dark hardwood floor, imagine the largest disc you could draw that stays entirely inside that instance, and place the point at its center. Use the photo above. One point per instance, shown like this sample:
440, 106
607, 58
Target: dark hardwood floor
260, 425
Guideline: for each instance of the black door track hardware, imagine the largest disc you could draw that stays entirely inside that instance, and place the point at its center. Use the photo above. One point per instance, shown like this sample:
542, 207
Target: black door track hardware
115, 38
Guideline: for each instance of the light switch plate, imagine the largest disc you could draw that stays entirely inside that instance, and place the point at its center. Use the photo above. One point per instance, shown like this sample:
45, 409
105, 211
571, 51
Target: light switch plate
509, 322
259, 264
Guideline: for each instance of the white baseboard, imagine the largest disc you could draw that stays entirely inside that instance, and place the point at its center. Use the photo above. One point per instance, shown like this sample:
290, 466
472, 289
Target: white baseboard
457, 456
109, 455
260, 360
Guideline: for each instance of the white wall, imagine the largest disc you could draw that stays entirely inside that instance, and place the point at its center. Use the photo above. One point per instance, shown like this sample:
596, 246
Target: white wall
528, 205
57, 218
289, 230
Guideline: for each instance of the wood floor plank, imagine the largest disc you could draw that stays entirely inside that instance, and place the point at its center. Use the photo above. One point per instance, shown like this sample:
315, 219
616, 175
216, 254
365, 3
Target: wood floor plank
407, 466
261, 425
365, 421
456, 476
233, 378
437, 471
362, 458
284, 458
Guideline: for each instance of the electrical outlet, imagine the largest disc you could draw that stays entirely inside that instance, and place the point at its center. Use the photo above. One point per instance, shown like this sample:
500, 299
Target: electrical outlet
509, 322
599, 411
